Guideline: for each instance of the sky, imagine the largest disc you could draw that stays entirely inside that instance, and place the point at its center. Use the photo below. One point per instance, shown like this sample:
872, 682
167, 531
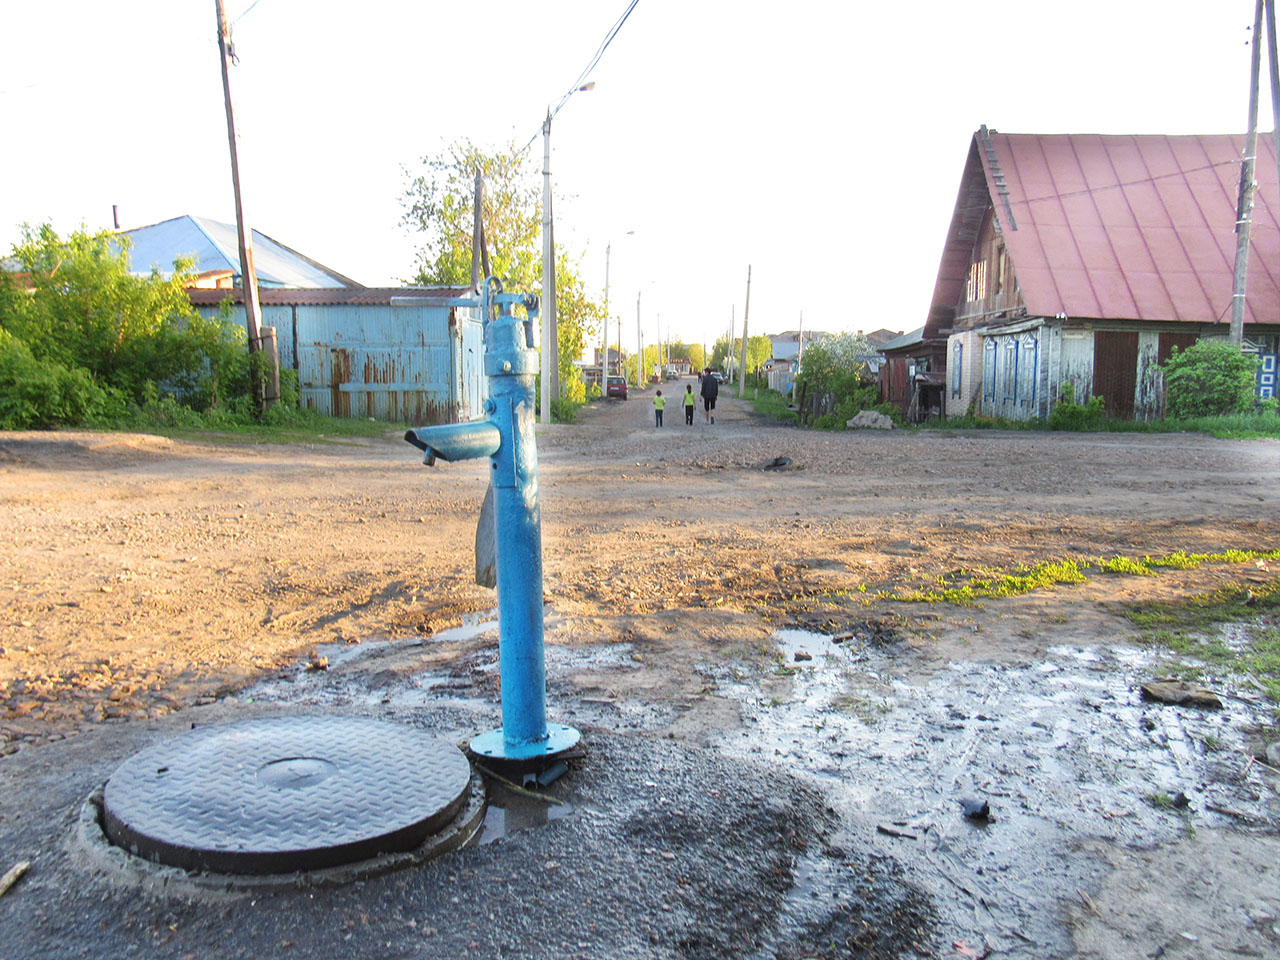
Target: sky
819, 143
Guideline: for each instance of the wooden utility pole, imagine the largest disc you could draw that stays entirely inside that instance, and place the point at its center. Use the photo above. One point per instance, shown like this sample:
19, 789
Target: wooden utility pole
799, 355
477, 230
1274, 70
746, 317
548, 325
268, 390
641, 379
1244, 207
733, 328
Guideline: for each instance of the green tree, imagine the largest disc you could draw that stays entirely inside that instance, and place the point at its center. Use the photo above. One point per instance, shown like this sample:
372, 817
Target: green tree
759, 352
1209, 378
439, 204
720, 353
835, 364
697, 356
83, 310
577, 315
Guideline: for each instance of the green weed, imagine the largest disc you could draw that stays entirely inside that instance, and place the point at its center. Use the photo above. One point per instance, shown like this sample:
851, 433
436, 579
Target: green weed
1186, 628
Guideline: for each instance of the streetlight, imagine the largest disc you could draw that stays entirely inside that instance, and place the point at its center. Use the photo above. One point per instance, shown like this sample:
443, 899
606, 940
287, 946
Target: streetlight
550, 352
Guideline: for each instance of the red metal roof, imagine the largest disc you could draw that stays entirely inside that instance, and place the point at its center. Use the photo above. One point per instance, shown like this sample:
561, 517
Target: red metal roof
1133, 227
358, 296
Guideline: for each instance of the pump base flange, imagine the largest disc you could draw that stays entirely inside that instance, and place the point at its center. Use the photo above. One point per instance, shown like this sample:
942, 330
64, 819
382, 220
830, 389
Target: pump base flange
493, 746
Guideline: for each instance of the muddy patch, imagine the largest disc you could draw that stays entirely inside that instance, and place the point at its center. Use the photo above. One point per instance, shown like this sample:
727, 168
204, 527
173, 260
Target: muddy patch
1060, 748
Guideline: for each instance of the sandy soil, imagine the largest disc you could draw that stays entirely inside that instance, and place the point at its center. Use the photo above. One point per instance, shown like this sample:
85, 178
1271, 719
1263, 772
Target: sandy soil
142, 576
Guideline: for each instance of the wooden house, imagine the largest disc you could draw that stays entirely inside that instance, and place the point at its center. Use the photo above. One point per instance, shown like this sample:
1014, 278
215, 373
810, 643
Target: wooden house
1085, 259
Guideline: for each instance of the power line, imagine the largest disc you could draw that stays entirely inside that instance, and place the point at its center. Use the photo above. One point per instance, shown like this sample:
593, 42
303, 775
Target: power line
586, 71
246, 12
595, 59
1125, 183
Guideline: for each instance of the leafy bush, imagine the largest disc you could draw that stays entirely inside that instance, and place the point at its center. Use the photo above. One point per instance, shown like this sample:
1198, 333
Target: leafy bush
85, 338
42, 393
1209, 378
1069, 415
855, 399
564, 410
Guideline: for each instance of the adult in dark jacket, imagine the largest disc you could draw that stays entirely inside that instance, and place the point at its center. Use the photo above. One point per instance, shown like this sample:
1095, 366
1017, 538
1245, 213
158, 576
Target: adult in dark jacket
710, 388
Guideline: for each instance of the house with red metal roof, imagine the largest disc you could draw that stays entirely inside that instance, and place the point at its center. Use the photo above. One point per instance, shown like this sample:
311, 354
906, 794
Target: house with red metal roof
1085, 259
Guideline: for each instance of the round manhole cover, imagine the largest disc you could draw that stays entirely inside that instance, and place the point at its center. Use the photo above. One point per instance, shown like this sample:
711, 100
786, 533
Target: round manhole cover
284, 794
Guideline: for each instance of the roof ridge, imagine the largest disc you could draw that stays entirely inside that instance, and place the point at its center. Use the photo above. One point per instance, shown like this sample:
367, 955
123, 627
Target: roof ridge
233, 259
996, 175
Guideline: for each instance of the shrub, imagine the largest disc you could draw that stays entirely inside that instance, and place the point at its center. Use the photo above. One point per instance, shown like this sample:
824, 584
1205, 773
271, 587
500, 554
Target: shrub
1069, 415
43, 393
1209, 378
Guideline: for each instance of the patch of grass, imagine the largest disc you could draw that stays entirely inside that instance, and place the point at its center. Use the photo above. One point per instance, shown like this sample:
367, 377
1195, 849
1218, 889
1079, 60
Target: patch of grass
1185, 627
966, 587
1160, 800
989, 585
1119, 564
1230, 603
773, 404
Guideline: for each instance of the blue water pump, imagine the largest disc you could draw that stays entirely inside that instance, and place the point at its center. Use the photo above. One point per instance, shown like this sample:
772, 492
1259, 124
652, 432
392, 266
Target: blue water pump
506, 438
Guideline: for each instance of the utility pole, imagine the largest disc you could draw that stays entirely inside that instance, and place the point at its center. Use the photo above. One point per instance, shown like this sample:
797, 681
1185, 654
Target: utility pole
1244, 208
799, 356
746, 316
604, 358
641, 379
548, 338
733, 328
1274, 65
267, 392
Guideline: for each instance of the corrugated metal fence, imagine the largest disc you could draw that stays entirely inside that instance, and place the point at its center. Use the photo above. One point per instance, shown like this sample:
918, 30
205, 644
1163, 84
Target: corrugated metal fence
415, 364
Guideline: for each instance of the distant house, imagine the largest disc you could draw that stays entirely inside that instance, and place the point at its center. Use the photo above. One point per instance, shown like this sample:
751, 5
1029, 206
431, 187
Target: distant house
215, 247
912, 374
1085, 259
782, 367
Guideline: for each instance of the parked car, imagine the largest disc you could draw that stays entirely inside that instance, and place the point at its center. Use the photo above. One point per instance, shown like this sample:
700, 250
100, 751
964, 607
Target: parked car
718, 376
617, 388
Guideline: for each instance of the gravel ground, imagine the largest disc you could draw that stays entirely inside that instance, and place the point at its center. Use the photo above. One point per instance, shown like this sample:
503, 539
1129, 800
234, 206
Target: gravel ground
669, 851
152, 583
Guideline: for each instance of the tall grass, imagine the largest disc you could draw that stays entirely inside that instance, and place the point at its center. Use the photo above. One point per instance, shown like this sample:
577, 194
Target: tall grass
773, 404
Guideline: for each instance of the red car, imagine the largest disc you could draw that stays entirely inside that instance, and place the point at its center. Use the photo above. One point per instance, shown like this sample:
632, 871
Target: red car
617, 388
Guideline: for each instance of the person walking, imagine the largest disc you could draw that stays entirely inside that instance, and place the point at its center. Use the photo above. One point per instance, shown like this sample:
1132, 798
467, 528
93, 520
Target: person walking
709, 390
689, 401
658, 403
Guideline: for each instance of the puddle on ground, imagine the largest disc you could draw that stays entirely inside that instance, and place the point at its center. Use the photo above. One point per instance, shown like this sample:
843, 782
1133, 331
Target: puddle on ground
509, 811
1061, 749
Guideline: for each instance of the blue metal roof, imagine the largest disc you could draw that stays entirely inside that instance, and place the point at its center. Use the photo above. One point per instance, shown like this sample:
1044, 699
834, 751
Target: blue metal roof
215, 247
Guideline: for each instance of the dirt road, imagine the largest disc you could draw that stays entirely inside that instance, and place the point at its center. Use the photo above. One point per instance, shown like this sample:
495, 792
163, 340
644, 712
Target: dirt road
143, 576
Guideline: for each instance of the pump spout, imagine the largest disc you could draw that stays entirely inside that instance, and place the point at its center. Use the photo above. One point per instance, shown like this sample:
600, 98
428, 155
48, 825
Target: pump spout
456, 441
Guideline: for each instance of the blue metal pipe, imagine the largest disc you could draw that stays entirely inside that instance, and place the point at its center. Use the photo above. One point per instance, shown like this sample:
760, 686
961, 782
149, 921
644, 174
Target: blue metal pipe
507, 439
